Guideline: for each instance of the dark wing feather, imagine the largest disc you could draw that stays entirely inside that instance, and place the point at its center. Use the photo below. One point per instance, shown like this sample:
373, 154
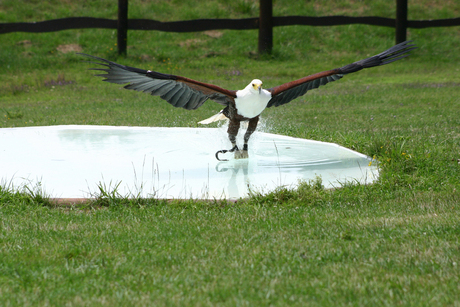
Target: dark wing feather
289, 91
179, 91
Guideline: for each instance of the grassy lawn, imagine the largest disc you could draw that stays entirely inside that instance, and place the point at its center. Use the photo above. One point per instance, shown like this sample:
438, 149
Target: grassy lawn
392, 243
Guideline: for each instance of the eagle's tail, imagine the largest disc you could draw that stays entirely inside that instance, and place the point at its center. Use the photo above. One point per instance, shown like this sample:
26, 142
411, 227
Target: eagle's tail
214, 118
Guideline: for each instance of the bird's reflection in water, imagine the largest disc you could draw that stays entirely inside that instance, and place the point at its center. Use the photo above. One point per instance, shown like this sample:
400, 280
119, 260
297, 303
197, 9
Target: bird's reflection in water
238, 169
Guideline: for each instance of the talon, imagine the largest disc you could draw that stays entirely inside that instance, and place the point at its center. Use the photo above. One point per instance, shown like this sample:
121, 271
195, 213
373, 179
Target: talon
235, 148
217, 155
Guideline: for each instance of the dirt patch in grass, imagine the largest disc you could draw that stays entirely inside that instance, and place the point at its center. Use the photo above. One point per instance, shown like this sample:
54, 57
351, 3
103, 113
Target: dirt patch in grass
69, 48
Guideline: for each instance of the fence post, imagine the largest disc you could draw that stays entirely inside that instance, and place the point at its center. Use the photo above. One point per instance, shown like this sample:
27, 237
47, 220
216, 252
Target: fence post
401, 21
122, 26
265, 26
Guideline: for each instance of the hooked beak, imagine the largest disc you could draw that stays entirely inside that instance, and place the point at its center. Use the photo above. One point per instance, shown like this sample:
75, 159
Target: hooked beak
257, 87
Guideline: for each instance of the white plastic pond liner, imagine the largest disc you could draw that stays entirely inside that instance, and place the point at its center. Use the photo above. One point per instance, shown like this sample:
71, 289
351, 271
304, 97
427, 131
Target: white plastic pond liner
179, 163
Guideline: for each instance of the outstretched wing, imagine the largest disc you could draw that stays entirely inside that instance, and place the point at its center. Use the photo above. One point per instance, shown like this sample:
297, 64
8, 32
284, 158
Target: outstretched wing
179, 91
289, 91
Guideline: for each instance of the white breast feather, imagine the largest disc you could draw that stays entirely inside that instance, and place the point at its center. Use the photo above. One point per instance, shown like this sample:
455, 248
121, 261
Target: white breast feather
250, 104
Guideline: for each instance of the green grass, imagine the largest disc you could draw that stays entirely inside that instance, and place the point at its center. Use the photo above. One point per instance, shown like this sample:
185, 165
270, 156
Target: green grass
391, 243
312, 248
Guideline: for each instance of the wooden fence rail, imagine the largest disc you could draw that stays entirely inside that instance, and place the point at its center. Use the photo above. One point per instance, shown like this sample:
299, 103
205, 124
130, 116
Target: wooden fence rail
263, 23
197, 25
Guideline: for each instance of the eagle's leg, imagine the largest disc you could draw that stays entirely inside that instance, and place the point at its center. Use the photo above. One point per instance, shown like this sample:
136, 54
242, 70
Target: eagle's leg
243, 154
233, 127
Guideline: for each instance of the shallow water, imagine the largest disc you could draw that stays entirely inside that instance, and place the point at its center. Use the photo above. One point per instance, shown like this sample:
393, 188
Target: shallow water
71, 161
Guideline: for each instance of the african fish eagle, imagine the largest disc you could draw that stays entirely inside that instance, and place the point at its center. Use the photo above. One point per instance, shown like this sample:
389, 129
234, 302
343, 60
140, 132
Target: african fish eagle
242, 105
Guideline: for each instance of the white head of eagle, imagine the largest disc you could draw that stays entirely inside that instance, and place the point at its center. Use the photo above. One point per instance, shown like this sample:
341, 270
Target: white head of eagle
252, 100
256, 84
